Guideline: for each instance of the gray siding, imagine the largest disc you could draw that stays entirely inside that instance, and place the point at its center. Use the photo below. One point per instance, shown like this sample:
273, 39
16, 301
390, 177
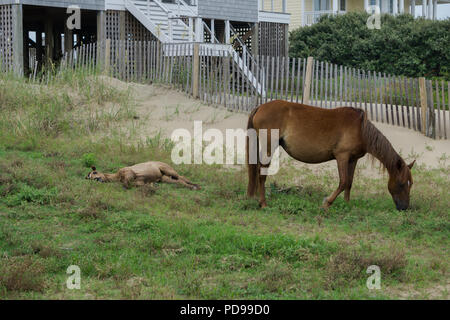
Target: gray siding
235, 10
83, 4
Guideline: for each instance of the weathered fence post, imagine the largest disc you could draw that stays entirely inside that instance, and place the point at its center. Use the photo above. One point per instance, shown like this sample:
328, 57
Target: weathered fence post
195, 70
423, 103
431, 119
307, 81
107, 56
226, 77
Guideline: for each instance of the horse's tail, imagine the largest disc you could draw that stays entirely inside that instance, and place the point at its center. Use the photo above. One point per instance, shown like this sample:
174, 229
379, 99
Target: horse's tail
253, 172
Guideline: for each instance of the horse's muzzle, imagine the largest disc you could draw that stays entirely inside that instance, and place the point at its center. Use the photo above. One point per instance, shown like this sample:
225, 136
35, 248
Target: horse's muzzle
402, 206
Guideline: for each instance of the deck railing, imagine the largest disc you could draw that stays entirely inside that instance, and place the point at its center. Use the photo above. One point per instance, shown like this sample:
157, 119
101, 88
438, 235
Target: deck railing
311, 17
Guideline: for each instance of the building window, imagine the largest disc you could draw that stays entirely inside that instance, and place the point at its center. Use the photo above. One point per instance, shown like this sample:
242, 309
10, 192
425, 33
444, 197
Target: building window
342, 5
321, 5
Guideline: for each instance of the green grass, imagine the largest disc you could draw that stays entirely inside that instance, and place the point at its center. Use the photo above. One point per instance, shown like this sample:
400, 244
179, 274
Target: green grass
165, 242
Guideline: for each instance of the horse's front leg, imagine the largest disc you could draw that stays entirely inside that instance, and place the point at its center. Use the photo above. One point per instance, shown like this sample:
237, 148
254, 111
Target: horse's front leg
139, 183
127, 179
343, 182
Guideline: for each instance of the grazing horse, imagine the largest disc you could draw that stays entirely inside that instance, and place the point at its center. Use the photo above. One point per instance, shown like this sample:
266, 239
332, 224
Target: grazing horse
314, 135
143, 173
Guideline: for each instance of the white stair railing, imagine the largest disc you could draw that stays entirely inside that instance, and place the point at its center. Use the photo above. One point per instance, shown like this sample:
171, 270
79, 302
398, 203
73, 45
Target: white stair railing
168, 37
147, 22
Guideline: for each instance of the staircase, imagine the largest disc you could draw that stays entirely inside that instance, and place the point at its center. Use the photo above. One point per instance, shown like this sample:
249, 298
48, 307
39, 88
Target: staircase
168, 26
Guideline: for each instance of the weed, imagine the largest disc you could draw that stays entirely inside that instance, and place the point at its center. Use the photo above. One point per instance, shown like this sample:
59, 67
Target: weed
30, 194
88, 160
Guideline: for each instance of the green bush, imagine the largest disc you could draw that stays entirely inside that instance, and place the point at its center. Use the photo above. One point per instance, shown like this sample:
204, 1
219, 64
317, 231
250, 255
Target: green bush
403, 46
89, 160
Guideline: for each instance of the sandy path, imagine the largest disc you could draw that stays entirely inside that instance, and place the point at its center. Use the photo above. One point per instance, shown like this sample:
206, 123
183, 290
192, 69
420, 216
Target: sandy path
163, 110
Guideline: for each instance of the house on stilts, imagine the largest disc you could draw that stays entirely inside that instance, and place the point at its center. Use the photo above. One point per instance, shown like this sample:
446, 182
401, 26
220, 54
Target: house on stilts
37, 30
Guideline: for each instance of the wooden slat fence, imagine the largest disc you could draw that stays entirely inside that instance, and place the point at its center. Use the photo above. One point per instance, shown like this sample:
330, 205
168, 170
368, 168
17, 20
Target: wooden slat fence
241, 82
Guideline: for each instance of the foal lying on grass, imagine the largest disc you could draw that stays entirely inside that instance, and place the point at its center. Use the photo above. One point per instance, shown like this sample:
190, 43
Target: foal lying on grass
143, 173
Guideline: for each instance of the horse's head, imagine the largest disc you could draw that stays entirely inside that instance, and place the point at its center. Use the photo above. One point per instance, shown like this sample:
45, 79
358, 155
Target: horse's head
94, 175
400, 184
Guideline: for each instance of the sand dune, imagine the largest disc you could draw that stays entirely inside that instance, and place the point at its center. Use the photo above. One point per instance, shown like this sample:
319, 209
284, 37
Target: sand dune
162, 110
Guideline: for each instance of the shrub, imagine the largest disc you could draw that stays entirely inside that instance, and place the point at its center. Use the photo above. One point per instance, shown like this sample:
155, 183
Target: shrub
403, 46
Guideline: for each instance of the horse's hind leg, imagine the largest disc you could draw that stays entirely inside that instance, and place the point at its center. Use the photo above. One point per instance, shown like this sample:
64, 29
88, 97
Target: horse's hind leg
194, 186
262, 189
168, 179
343, 182
263, 168
170, 172
351, 172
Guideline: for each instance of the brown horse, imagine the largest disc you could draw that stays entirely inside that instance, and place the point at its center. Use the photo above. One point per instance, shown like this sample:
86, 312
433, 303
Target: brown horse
314, 135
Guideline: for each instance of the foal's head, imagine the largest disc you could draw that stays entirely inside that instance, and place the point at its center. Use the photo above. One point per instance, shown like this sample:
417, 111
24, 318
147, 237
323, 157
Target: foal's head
97, 176
400, 184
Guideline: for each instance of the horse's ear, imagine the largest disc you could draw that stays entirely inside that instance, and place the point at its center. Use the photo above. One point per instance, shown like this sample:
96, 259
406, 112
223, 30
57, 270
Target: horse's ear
94, 168
411, 165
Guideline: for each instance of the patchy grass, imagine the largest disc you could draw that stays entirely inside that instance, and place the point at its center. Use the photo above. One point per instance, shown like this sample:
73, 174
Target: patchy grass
167, 242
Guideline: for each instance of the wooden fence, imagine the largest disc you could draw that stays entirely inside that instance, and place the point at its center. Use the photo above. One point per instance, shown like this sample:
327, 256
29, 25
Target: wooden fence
220, 76
414, 103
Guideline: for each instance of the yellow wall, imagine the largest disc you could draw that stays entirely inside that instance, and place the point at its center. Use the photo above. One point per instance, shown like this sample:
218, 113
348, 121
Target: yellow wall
407, 4
358, 5
294, 7
355, 5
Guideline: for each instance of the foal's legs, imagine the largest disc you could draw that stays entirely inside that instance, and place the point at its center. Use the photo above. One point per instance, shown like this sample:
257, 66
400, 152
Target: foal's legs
351, 171
170, 172
127, 178
343, 168
168, 179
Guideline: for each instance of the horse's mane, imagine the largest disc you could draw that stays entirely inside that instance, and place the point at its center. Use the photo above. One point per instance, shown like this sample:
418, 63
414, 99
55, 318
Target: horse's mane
378, 145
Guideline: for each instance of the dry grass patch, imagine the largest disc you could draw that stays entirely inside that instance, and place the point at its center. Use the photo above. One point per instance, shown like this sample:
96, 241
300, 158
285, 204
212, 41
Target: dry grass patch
349, 265
22, 274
